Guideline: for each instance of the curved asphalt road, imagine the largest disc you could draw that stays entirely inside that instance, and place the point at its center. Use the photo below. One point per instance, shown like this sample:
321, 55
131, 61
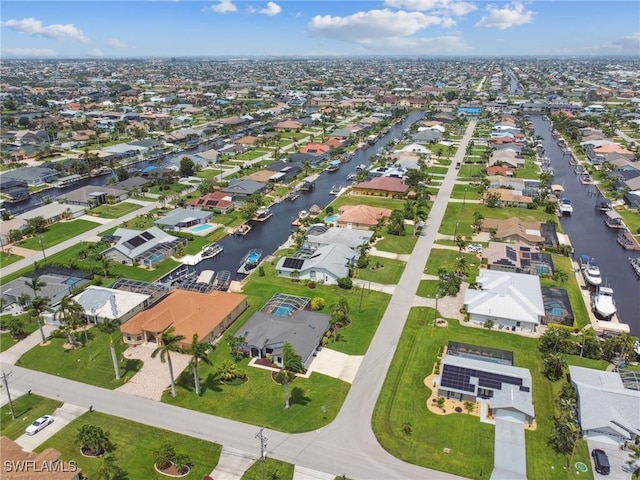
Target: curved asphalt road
347, 445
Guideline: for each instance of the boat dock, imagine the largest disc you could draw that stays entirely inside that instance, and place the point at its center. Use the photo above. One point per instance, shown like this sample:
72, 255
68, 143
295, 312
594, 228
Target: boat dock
241, 229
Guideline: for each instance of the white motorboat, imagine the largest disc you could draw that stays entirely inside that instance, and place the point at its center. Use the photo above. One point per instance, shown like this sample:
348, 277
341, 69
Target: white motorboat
590, 270
262, 214
603, 303
335, 190
565, 206
303, 214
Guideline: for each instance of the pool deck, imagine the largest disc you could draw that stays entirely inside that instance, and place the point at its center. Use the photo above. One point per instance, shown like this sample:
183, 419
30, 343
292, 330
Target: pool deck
211, 227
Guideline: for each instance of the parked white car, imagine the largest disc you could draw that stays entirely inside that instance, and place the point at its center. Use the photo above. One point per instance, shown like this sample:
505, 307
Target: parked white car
39, 424
474, 248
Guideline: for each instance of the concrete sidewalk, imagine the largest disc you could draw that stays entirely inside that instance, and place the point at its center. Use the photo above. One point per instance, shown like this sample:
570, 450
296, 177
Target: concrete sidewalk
232, 464
12, 354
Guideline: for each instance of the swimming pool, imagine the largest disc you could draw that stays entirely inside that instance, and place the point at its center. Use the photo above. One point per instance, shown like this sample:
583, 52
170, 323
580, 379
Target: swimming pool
331, 218
155, 258
201, 228
72, 281
284, 310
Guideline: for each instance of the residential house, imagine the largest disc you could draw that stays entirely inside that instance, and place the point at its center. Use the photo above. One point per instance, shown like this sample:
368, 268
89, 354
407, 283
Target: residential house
515, 230
608, 404
429, 135
362, 217
507, 197
57, 286
14, 189
510, 300
90, 196
206, 157
519, 258
284, 172
315, 148
385, 186
32, 176
319, 235
180, 218
132, 184
218, 201
243, 188
189, 313
101, 303
325, 264
147, 247
284, 319
476, 373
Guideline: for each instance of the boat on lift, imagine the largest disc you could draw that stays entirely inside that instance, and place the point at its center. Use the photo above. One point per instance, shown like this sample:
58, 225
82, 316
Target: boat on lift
603, 303
635, 265
250, 261
590, 270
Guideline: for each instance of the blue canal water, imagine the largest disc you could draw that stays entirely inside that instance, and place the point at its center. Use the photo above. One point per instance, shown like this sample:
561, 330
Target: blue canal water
589, 234
268, 236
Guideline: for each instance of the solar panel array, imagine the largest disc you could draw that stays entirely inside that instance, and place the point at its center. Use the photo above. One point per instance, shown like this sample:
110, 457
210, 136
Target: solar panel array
460, 378
295, 263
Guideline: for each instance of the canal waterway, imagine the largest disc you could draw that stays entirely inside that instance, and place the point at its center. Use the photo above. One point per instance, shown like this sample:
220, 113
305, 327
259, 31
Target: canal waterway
269, 235
589, 234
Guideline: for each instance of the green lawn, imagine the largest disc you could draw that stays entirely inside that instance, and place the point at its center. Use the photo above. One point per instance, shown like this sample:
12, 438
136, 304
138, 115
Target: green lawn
446, 258
272, 469
27, 408
466, 192
427, 288
631, 219
530, 170
6, 340
114, 211
90, 363
8, 258
136, 445
57, 233
260, 401
402, 245
435, 170
382, 270
464, 213
404, 395
209, 173
167, 189
469, 171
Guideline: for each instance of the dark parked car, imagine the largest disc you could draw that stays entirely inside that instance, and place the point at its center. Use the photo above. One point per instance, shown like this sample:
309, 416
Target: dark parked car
601, 461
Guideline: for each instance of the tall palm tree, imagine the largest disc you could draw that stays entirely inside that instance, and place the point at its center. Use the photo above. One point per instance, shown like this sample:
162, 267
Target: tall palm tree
35, 284
461, 266
291, 364
38, 306
198, 351
70, 314
169, 342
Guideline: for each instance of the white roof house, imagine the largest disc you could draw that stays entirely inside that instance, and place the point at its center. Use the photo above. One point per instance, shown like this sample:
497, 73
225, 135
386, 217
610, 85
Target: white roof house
101, 303
325, 265
511, 300
608, 404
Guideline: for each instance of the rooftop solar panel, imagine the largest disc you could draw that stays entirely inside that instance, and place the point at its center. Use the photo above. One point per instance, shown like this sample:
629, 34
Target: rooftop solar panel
511, 253
134, 242
147, 235
295, 263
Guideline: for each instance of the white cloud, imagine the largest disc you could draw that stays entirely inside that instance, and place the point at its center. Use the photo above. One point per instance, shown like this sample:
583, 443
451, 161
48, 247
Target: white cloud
630, 42
29, 52
223, 6
57, 31
374, 25
271, 9
115, 43
95, 52
509, 16
438, 6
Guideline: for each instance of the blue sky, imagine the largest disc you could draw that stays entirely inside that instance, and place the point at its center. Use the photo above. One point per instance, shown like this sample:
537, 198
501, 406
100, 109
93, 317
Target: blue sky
117, 28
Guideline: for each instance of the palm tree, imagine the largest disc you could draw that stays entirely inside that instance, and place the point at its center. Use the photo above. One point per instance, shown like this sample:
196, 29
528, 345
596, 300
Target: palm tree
339, 315
169, 342
198, 351
461, 266
291, 364
70, 315
38, 306
554, 365
35, 284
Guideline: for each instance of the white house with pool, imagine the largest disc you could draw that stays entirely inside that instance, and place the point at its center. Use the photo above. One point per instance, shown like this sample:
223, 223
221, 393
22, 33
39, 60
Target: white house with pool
183, 219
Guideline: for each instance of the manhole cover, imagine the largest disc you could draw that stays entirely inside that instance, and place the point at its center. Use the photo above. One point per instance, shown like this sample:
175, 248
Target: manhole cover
581, 467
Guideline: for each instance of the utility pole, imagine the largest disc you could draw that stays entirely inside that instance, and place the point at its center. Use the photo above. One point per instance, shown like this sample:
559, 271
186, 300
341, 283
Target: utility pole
6, 387
263, 448
44, 255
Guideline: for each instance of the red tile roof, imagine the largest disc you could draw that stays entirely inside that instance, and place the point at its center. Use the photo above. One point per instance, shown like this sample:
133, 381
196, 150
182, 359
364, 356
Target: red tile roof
387, 184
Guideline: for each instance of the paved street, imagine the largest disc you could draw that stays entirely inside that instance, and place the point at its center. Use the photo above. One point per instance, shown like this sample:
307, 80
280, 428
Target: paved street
347, 445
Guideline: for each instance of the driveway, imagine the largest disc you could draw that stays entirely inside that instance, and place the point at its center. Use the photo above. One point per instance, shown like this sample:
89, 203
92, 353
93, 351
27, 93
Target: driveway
153, 378
617, 459
61, 418
336, 364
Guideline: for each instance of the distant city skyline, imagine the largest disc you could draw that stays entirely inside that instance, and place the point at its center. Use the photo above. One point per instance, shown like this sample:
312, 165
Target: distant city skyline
128, 29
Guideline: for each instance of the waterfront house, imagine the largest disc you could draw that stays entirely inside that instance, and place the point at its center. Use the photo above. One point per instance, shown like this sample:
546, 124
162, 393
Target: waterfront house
325, 264
147, 247
362, 217
243, 188
517, 257
385, 186
101, 303
510, 300
515, 230
32, 176
217, 201
207, 314
90, 196
320, 234
180, 218
284, 318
